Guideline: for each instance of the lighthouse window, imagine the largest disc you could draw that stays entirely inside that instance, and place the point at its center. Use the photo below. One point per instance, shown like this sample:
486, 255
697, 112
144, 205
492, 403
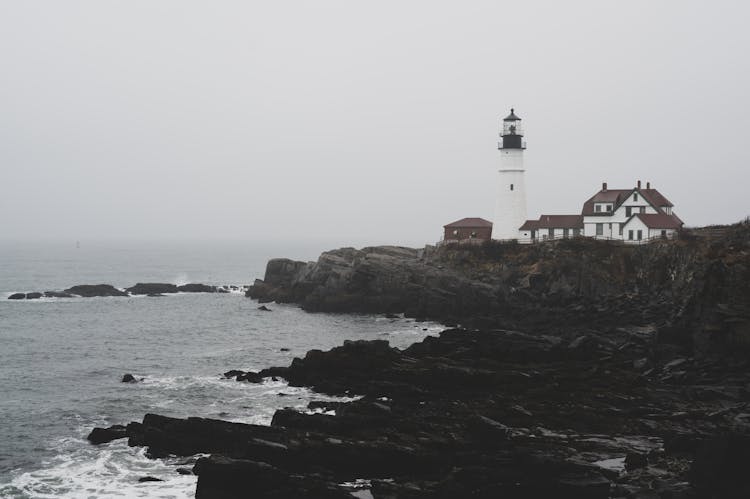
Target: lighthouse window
511, 187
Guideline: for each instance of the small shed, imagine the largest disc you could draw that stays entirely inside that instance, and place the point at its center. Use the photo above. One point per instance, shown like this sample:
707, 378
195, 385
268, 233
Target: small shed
468, 229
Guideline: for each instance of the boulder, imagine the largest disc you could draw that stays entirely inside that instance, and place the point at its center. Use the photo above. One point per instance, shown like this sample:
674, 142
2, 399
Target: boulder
104, 435
57, 294
264, 308
149, 479
17, 296
91, 290
128, 378
33, 296
147, 288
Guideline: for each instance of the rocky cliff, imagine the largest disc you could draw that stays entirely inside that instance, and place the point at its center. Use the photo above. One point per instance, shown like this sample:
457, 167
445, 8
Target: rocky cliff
694, 289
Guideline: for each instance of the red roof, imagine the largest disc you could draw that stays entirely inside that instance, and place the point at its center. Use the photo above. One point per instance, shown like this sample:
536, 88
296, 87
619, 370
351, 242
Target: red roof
470, 223
618, 196
660, 220
655, 198
554, 222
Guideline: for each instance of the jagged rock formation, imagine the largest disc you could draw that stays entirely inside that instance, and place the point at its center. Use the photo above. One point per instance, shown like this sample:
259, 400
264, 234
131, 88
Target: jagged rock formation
695, 288
482, 414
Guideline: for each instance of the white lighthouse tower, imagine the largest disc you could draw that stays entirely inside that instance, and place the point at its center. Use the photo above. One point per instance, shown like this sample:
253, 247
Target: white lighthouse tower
510, 208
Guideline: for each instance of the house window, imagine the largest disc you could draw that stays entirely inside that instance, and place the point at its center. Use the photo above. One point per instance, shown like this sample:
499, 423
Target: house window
640, 235
628, 211
599, 229
565, 233
642, 209
455, 232
576, 232
473, 235
630, 235
551, 232
622, 228
635, 197
609, 207
597, 208
511, 187
664, 234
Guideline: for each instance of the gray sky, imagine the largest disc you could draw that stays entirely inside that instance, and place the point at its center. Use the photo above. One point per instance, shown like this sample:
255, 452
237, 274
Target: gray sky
359, 122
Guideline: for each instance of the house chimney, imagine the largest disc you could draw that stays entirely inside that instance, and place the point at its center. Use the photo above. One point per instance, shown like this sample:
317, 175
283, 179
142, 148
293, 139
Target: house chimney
604, 186
639, 184
648, 185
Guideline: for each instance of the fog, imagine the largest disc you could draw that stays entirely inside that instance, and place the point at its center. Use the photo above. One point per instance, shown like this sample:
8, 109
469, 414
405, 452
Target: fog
358, 123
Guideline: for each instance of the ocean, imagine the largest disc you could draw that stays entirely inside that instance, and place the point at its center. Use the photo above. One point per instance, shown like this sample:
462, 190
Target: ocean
62, 359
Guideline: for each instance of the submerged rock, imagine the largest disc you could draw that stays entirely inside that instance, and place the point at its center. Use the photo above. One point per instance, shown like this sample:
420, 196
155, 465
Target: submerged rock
57, 294
264, 308
128, 378
33, 296
144, 479
17, 296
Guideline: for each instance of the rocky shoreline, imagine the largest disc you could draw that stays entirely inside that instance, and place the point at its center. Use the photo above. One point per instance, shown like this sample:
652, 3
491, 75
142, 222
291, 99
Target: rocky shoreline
580, 370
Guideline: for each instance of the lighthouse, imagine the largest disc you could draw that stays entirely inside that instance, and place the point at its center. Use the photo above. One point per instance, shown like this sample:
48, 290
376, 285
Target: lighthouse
510, 207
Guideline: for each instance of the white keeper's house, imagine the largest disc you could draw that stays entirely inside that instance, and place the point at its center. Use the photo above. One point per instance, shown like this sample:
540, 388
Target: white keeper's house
631, 215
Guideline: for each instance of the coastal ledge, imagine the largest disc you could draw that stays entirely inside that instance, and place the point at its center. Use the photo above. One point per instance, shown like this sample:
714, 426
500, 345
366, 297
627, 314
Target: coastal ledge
489, 413
695, 287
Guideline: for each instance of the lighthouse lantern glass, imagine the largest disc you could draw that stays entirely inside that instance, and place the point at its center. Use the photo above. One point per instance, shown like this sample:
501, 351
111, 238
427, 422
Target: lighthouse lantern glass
512, 128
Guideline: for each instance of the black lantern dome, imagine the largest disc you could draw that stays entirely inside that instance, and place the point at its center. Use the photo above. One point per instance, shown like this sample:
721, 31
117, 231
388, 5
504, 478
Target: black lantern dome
512, 133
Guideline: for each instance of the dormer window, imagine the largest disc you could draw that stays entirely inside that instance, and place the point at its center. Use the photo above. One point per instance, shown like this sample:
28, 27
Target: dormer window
598, 208
635, 197
609, 207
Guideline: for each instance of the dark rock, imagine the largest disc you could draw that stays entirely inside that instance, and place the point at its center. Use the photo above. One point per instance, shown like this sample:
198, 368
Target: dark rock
251, 377
184, 471
91, 290
148, 288
155, 295
33, 296
283, 349
222, 290
722, 467
233, 373
196, 288
17, 296
104, 435
392, 316
144, 479
57, 294
128, 378
635, 460
225, 478
264, 308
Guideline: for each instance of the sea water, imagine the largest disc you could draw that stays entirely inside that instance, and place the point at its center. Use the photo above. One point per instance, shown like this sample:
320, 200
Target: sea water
61, 359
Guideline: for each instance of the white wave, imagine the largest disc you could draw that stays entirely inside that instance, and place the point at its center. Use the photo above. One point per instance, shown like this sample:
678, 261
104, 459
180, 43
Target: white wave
181, 280
82, 470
